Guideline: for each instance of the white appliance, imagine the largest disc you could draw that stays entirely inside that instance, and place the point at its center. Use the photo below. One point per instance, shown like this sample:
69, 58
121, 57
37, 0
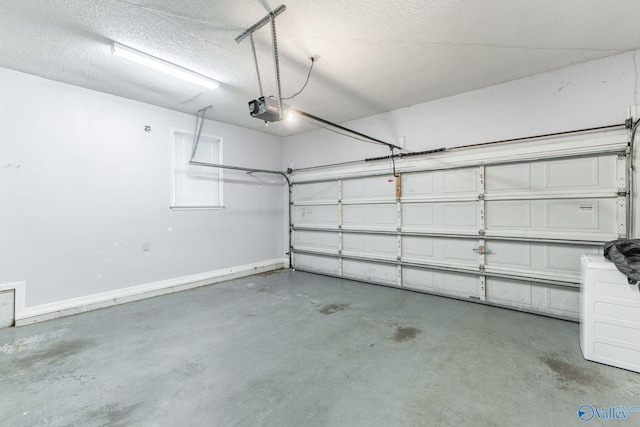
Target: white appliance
609, 315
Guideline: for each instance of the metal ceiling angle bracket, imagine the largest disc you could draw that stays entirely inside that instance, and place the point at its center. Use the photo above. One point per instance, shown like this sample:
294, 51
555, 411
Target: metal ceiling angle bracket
198, 130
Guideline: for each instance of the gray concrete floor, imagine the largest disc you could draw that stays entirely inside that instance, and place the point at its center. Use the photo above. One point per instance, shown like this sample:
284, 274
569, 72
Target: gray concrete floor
298, 349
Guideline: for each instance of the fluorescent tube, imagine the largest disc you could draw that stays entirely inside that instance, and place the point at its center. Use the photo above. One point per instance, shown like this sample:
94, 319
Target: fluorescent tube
164, 66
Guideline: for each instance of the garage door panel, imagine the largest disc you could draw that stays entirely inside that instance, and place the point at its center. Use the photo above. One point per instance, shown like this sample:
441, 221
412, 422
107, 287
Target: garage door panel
463, 181
456, 284
449, 183
460, 250
326, 215
572, 174
418, 216
307, 239
509, 292
536, 259
597, 216
563, 301
314, 192
420, 279
509, 254
567, 257
445, 283
514, 177
418, 248
368, 188
440, 250
460, 216
417, 184
594, 172
317, 263
382, 216
370, 271
574, 216
366, 244
536, 297
571, 213
512, 214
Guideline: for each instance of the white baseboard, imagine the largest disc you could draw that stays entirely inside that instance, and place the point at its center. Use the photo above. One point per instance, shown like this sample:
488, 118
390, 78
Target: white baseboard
40, 313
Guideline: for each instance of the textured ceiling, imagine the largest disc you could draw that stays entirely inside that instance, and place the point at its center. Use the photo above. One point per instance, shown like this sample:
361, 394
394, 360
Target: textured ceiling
376, 55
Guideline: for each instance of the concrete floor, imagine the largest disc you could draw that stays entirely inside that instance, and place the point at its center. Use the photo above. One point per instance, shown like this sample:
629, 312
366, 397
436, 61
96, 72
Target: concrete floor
298, 349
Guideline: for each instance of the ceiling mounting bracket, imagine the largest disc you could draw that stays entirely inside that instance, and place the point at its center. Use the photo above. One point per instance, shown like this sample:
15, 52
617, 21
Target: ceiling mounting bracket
261, 23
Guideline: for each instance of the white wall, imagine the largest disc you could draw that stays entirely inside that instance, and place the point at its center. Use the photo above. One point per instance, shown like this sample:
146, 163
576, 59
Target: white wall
83, 186
584, 95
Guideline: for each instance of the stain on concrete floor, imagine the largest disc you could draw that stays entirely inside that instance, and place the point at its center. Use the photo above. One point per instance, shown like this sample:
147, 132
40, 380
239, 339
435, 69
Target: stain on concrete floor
332, 308
405, 334
55, 353
568, 373
270, 273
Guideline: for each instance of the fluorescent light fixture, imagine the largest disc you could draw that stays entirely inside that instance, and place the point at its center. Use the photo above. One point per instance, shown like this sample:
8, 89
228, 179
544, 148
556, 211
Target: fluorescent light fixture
164, 66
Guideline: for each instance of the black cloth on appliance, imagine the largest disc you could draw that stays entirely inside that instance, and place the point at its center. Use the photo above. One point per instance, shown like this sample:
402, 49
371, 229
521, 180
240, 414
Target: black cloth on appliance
625, 254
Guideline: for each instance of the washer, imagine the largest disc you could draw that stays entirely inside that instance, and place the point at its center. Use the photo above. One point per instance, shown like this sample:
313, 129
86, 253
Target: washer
609, 315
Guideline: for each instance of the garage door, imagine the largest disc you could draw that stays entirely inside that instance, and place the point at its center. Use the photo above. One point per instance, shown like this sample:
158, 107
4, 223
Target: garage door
502, 228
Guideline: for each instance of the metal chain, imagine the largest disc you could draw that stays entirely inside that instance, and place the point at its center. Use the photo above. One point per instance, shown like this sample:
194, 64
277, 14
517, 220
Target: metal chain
276, 63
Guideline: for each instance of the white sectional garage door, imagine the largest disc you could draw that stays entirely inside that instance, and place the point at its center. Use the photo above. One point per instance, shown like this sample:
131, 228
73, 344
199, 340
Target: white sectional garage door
506, 229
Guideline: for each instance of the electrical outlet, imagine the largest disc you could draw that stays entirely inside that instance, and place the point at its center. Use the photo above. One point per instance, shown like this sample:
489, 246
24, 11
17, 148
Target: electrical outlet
145, 246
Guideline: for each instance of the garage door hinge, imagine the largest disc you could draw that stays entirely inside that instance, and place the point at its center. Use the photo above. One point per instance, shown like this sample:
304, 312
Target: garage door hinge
481, 232
481, 267
480, 196
622, 193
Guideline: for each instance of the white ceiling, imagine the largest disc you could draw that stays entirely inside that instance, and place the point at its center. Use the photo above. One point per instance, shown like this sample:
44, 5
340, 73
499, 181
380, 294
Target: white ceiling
376, 55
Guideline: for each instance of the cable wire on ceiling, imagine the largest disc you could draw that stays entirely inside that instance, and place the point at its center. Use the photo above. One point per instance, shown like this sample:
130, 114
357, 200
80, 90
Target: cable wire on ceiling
313, 61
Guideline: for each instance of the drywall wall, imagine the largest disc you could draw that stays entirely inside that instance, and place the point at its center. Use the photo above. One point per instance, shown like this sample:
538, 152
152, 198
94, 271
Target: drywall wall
584, 95
84, 186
